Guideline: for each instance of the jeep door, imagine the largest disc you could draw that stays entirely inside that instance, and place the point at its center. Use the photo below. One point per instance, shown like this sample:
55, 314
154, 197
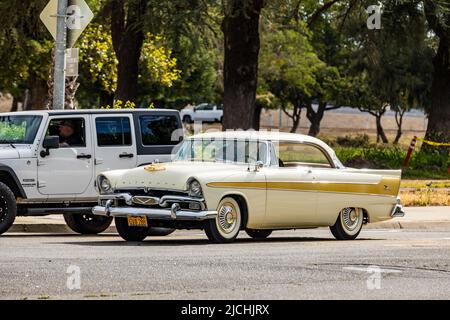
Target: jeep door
114, 142
69, 169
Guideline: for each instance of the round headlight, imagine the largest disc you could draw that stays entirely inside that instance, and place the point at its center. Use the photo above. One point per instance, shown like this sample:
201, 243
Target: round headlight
104, 185
195, 189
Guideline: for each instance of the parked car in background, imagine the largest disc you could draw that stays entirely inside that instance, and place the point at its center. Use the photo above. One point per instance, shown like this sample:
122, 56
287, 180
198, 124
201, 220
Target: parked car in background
49, 159
224, 182
205, 112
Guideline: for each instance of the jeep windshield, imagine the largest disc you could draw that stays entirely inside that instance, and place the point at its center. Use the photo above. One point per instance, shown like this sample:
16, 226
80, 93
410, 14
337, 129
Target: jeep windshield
19, 129
231, 151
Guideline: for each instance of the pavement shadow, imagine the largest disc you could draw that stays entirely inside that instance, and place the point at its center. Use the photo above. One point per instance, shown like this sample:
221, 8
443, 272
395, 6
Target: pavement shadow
189, 242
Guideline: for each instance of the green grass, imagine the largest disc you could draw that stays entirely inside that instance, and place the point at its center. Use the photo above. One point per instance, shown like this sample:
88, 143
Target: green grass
421, 165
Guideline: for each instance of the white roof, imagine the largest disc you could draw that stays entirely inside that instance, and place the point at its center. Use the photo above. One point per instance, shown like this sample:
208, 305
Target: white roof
78, 111
263, 135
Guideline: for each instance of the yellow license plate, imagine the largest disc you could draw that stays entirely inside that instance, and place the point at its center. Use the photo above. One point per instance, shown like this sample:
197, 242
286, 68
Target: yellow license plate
137, 221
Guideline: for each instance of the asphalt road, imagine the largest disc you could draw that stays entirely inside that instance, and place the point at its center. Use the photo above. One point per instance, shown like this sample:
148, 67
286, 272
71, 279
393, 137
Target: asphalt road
381, 264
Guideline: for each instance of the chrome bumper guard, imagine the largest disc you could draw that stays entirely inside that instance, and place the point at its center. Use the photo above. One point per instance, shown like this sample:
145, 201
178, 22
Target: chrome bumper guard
174, 212
398, 211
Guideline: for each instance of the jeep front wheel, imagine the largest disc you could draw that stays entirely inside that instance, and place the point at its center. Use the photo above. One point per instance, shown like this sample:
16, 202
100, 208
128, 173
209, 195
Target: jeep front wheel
8, 208
87, 223
130, 233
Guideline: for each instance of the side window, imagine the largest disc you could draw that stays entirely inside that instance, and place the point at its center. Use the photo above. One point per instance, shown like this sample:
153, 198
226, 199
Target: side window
293, 154
159, 130
71, 131
209, 107
113, 131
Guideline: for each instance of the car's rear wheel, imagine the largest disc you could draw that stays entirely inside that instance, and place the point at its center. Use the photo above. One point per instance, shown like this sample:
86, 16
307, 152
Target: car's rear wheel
225, 228
130, 233
8, 208
87, 223
348, 224
258, 233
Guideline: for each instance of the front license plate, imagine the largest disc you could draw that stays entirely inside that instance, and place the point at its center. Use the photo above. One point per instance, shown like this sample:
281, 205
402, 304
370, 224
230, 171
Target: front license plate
137, 221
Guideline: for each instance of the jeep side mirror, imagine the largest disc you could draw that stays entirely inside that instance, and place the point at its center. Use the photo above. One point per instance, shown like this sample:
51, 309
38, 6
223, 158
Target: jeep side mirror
51, 142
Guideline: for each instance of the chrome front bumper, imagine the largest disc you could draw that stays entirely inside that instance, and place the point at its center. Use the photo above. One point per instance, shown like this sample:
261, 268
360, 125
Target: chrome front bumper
397, 211
165, 212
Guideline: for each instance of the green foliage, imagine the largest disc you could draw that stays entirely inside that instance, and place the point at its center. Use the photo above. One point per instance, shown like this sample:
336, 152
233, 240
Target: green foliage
420, 165
360, 140
160, 66
12, 132
98, 63
118, 104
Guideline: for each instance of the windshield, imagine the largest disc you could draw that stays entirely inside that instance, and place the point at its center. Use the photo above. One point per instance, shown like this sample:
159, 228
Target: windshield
235, 151
20, 129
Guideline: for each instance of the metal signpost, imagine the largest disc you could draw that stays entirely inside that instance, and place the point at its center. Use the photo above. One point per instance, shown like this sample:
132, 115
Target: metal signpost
66, 20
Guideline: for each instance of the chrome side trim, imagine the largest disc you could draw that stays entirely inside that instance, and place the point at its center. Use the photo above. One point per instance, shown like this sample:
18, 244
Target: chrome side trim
175, 213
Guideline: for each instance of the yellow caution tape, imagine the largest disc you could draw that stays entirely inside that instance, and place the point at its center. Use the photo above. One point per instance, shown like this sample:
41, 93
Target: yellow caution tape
436, 144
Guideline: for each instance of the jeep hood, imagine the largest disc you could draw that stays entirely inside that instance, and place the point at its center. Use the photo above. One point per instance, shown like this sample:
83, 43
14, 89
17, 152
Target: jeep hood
8, 152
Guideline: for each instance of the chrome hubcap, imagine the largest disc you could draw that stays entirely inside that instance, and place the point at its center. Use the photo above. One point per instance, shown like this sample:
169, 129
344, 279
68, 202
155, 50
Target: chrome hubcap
227, 217
351, 218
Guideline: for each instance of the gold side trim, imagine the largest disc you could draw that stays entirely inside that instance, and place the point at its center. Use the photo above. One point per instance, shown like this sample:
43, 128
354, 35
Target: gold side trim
387, 186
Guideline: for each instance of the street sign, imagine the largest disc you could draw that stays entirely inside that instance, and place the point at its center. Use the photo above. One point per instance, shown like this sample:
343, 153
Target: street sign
72, 58
78, 16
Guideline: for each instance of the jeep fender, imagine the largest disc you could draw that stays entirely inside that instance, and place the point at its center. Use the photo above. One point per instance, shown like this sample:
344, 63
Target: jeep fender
9, 177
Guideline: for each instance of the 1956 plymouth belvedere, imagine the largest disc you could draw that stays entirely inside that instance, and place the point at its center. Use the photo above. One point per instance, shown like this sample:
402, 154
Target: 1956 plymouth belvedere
224, 182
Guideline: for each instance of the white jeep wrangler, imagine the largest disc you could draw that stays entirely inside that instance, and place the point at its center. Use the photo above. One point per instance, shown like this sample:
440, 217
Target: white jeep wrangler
49, 159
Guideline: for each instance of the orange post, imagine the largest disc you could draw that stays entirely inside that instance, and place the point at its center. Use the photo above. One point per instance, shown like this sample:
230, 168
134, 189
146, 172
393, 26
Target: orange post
410, 150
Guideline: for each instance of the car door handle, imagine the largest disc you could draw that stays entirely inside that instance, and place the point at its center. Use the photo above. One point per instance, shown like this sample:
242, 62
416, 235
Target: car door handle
126, 155
84, 156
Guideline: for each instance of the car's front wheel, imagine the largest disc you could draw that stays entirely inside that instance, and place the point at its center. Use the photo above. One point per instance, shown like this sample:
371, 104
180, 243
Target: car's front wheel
130, 233
348, 224
87, 223
226, 226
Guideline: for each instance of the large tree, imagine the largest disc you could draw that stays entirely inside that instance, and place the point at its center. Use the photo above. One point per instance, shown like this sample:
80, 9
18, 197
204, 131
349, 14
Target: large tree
240, 28
438, 17
127, 21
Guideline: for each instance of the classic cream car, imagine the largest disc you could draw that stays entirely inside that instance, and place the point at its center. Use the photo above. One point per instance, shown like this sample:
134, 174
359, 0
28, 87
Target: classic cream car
224, 182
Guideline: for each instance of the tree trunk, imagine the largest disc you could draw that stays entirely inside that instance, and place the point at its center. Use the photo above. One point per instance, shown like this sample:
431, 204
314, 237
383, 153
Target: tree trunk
257, 120
315, 117
240, 28
128, 39
295, 116
106, 99
15, 105
438, 128
380, 130
37, 94
399, 120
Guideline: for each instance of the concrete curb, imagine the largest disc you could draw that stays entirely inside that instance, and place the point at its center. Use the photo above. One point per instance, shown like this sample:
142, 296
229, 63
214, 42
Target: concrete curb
47, 228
